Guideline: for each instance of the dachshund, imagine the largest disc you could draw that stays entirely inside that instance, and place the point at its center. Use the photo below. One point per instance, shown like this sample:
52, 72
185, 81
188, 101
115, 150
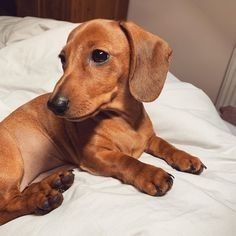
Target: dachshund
93, 119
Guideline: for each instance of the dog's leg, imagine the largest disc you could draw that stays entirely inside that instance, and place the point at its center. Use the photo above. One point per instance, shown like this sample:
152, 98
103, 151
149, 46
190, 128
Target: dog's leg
38, 198
176, 158
147, 178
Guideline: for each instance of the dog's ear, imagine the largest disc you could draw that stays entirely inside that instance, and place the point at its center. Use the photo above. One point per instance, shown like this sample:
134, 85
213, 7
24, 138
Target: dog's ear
149, 62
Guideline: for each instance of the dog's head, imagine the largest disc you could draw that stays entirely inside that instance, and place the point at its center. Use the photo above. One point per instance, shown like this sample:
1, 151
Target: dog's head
107, 62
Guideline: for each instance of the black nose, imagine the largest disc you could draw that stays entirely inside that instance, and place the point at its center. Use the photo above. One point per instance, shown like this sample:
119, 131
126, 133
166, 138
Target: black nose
58, 105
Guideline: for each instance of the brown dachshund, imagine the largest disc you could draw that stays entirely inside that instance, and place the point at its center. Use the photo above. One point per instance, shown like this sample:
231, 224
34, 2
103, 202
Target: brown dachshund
96, 121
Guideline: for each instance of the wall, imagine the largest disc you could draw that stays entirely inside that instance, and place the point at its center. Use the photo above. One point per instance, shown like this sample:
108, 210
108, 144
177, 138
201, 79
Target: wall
202, 44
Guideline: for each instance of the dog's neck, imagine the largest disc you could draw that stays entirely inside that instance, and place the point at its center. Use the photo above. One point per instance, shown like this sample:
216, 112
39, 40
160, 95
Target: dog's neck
128, 108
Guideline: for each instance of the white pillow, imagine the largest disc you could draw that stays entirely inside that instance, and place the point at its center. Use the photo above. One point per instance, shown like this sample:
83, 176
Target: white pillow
15, 29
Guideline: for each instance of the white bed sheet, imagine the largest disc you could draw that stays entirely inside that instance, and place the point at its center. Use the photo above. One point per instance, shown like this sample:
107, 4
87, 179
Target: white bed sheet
231, 127
183, 115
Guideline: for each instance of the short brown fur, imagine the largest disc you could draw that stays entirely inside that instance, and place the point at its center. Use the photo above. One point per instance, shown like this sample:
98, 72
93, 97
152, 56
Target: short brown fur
104, 131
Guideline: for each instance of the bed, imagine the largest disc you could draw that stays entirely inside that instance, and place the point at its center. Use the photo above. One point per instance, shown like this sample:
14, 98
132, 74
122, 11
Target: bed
183, 115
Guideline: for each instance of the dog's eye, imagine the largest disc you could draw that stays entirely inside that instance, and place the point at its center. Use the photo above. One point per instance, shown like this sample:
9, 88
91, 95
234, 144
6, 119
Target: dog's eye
63, 59
99, 56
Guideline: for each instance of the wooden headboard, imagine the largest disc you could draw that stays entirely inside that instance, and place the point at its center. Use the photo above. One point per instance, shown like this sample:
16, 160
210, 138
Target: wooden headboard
7, 8
67, 10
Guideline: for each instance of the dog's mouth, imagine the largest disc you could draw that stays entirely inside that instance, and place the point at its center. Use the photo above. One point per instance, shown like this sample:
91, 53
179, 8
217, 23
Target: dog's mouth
73, 117
86, 116
82, 118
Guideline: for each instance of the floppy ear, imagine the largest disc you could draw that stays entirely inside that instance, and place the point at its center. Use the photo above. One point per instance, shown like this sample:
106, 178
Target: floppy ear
149, 62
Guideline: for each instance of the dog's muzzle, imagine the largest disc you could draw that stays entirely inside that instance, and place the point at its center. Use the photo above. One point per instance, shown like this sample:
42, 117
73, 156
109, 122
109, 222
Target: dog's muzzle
58, 105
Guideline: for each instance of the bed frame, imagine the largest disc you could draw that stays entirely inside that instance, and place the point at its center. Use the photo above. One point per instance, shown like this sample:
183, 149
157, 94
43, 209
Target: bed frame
67, 10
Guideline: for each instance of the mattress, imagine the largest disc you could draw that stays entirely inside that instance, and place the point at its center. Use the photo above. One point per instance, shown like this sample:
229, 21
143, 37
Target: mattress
94, 205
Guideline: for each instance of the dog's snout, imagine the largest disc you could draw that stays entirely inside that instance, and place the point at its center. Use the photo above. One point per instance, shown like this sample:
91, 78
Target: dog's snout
59, 105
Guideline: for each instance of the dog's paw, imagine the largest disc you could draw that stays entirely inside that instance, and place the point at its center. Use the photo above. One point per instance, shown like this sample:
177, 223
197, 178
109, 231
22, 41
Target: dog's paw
187, 163
153, 181
62, 180
46, 202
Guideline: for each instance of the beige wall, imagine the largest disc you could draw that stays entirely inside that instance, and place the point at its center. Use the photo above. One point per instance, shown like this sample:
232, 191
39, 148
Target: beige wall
202, 39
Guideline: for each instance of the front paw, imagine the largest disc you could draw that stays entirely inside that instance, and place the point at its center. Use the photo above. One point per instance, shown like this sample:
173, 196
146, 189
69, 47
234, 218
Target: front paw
46, 201
187, 163
153, 181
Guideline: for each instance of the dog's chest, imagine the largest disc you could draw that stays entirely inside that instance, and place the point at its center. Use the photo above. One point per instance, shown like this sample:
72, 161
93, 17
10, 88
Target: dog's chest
118, 135
130, 142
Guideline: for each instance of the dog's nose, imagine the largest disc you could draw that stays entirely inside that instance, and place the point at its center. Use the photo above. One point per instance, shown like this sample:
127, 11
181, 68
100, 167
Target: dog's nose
59, 105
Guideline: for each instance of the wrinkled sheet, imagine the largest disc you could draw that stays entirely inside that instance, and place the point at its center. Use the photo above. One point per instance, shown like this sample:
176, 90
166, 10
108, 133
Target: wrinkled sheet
183, 115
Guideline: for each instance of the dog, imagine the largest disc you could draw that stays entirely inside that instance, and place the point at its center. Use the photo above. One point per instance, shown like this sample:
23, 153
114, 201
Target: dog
93, 119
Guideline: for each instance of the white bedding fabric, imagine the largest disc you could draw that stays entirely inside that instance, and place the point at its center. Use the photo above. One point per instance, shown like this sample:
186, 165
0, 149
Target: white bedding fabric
183, 115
